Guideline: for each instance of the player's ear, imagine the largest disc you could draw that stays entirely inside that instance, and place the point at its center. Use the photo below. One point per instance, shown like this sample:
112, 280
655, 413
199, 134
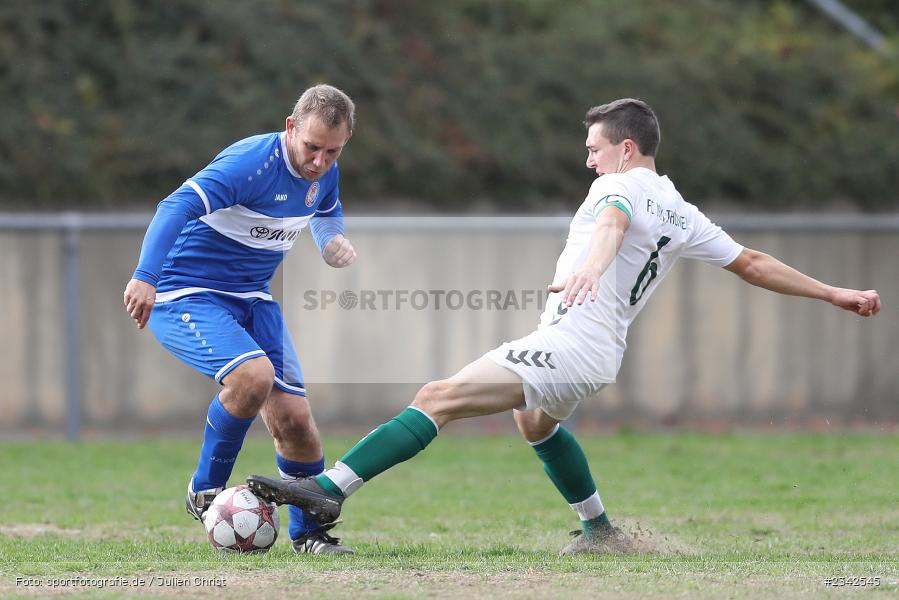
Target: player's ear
630, 149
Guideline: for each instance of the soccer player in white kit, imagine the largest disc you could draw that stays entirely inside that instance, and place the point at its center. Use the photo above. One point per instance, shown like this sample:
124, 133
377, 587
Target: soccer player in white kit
623, 240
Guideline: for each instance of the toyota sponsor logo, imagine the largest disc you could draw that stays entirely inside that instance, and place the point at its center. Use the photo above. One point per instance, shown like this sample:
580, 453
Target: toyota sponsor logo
274, 235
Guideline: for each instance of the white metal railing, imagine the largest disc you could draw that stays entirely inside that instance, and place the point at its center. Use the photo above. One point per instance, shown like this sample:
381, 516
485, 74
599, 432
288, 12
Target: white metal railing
810, 222
71, 225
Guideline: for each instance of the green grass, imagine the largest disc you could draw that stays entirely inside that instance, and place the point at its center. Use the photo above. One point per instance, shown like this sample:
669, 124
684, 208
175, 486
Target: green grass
735, 515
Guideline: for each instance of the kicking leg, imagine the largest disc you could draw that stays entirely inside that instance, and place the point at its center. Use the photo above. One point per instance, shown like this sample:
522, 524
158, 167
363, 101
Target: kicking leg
481, 388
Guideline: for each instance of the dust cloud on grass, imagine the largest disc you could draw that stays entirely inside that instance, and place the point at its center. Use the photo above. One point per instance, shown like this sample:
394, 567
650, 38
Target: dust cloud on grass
649, 542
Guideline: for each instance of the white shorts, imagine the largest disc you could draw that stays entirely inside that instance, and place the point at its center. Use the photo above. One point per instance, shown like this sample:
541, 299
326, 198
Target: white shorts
558, 370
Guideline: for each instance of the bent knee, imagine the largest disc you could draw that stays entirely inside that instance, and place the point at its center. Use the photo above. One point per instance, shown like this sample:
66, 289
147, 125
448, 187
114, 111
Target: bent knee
433, 397
534, 425
252, 381
295, 423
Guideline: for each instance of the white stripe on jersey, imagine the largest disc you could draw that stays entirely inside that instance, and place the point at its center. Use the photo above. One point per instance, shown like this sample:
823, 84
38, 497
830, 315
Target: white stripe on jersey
324, 212
256, 230
287, 162
175, 294
196, 187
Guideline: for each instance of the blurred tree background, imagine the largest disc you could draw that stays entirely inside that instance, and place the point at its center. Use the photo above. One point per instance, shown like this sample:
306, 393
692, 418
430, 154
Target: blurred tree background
462, 104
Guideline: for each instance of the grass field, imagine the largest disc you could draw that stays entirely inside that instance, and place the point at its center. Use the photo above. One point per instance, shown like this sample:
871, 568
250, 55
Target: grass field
734, 515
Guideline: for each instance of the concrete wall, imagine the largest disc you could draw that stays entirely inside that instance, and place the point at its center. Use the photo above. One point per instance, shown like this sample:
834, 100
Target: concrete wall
708, 350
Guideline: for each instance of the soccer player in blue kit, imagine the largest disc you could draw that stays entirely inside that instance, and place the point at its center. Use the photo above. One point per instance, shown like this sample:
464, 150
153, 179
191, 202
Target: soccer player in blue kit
202, 284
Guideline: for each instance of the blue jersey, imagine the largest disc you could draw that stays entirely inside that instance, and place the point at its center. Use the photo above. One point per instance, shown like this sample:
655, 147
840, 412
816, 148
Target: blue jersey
227, 228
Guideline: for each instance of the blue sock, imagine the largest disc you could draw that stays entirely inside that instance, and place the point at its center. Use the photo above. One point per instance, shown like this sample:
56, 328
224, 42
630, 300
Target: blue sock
300, 522
221, 442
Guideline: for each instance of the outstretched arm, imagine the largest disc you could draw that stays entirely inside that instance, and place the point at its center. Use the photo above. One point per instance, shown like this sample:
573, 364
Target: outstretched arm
767, 272
605, 242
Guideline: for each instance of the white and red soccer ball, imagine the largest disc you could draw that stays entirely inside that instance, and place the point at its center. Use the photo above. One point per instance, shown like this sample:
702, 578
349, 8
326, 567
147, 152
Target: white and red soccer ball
239, 521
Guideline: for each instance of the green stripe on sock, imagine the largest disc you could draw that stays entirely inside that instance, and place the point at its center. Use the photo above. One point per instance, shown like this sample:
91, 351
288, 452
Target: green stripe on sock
396, 441
565, 463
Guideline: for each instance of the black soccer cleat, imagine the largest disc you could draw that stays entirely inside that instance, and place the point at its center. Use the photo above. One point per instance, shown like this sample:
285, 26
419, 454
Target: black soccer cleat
304, 493
318, 541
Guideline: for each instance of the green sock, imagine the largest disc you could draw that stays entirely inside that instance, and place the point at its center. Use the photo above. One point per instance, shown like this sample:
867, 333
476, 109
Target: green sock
566, 465
328, 485
596, 525
396, 441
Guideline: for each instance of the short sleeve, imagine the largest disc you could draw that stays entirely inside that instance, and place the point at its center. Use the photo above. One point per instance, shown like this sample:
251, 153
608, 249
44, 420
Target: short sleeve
710, 244
217, 183
609, 191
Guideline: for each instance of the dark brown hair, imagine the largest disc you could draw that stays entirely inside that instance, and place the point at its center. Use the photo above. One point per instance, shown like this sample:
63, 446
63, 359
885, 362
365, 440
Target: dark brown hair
628, 118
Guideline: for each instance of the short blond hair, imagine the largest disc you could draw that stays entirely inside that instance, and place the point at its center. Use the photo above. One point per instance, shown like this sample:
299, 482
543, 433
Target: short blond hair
328, 103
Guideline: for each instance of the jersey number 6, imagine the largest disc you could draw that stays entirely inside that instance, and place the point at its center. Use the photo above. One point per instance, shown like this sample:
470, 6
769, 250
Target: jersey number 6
651, 268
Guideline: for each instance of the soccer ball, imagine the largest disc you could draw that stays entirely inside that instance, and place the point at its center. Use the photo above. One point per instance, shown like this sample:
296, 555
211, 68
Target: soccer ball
239, 521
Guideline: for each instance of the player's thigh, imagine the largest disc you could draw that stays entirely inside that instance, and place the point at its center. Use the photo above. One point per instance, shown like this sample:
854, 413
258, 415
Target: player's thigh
205, 334
267, 327
557, 370
480, 388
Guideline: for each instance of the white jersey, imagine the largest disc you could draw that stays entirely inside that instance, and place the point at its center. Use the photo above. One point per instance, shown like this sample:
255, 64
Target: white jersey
577, 349
663, 228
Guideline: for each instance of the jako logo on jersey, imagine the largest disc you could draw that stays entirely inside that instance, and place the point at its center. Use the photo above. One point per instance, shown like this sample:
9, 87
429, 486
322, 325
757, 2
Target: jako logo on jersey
312, 194
280, 235
280, 197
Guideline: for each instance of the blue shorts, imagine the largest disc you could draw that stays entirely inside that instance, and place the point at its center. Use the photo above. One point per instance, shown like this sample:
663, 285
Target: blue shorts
214, 333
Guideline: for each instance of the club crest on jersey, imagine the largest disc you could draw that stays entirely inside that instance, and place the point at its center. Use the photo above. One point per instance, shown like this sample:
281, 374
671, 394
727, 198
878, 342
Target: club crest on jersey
312, 194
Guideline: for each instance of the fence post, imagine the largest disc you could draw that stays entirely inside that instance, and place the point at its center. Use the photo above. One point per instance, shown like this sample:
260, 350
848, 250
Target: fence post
71, 249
